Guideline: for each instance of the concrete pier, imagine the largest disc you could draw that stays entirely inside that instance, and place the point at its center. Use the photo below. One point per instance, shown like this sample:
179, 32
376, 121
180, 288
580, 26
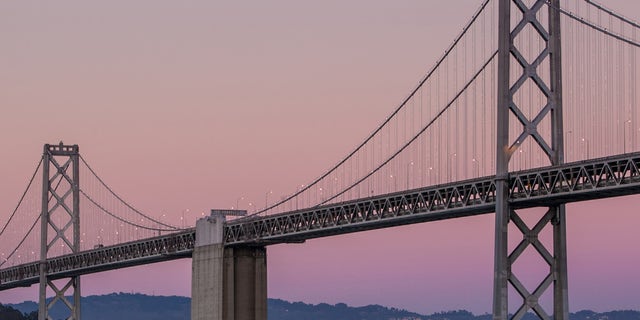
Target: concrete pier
227, 283
245, 283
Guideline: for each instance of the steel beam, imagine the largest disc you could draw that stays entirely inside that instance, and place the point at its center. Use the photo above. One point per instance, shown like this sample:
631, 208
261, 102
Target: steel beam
502, 209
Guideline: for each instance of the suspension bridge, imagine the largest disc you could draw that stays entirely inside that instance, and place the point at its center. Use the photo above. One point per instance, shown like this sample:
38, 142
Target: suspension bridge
533, 105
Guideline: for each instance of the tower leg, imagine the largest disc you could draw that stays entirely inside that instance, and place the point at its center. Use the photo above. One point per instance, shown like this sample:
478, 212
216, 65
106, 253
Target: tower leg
560, 285
501, 259
502, 268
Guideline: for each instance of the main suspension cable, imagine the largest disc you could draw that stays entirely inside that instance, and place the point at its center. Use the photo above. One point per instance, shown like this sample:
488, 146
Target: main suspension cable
387, 119
122, 219
21, 242
22, 197
124, 202
613, 13
406, 145
594, 26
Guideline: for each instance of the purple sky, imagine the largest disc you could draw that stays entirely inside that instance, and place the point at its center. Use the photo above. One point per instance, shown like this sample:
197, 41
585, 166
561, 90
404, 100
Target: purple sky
193, 105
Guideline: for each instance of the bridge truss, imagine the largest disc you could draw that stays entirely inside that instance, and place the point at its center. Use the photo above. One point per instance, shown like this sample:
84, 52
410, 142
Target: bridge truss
572, 182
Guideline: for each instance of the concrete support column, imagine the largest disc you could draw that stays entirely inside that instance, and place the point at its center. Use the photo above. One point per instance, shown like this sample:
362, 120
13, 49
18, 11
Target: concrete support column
227, 283
245, 283
207, 272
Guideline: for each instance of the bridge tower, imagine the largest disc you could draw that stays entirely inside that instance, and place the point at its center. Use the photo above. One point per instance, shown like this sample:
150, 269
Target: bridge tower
528, 14
60, 224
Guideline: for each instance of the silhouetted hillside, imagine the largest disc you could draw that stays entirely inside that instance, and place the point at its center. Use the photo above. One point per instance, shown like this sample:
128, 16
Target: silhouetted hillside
9, 313
283, 310
122, 306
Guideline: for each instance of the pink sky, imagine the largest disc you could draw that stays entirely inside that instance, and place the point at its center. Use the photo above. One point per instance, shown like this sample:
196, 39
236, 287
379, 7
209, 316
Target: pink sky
197, 104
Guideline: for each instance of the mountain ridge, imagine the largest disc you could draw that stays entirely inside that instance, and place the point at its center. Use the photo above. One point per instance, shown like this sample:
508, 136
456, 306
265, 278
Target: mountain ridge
125, 306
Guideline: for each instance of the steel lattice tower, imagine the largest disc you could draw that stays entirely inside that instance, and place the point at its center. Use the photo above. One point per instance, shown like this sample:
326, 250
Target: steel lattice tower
506, 146
60, 215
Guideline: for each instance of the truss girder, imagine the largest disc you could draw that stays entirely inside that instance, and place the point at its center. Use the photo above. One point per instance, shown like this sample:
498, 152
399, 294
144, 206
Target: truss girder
597, 178
162, 248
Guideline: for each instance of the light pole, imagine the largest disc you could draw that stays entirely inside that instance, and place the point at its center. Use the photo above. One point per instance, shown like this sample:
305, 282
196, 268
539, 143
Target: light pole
451, 166
238, 202
159, 232
624, 135
266, 199
408, 168
299, 195
567, 144
182, 218
586, 141
477, 165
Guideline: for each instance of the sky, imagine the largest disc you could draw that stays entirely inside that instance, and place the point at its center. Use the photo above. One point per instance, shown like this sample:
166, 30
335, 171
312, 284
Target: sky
205, 104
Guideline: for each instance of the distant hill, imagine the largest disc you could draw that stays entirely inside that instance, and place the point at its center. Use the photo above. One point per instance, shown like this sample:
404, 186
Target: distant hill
124, 306
283, 310
121, 306
9, 313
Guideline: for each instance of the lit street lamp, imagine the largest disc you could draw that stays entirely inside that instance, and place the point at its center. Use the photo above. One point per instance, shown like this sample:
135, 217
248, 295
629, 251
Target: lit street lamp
451, 166
624, 139
586, 141
408, 168
477, 165
182, 218
266, 199
238, 202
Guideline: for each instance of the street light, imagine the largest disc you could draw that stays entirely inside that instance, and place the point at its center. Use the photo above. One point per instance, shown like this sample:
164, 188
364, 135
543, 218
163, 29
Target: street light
266, 199
567, 143
477, 164
408, 167
395, 182
300, 194
430, 174
238, 202
624, 135
182, 218
586, 141
451, 166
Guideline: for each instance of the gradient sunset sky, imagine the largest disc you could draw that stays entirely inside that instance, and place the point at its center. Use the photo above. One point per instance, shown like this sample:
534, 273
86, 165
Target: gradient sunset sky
204, 104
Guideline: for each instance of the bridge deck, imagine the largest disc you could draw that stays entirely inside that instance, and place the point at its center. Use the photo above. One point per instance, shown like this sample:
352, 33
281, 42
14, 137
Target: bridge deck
578, 181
